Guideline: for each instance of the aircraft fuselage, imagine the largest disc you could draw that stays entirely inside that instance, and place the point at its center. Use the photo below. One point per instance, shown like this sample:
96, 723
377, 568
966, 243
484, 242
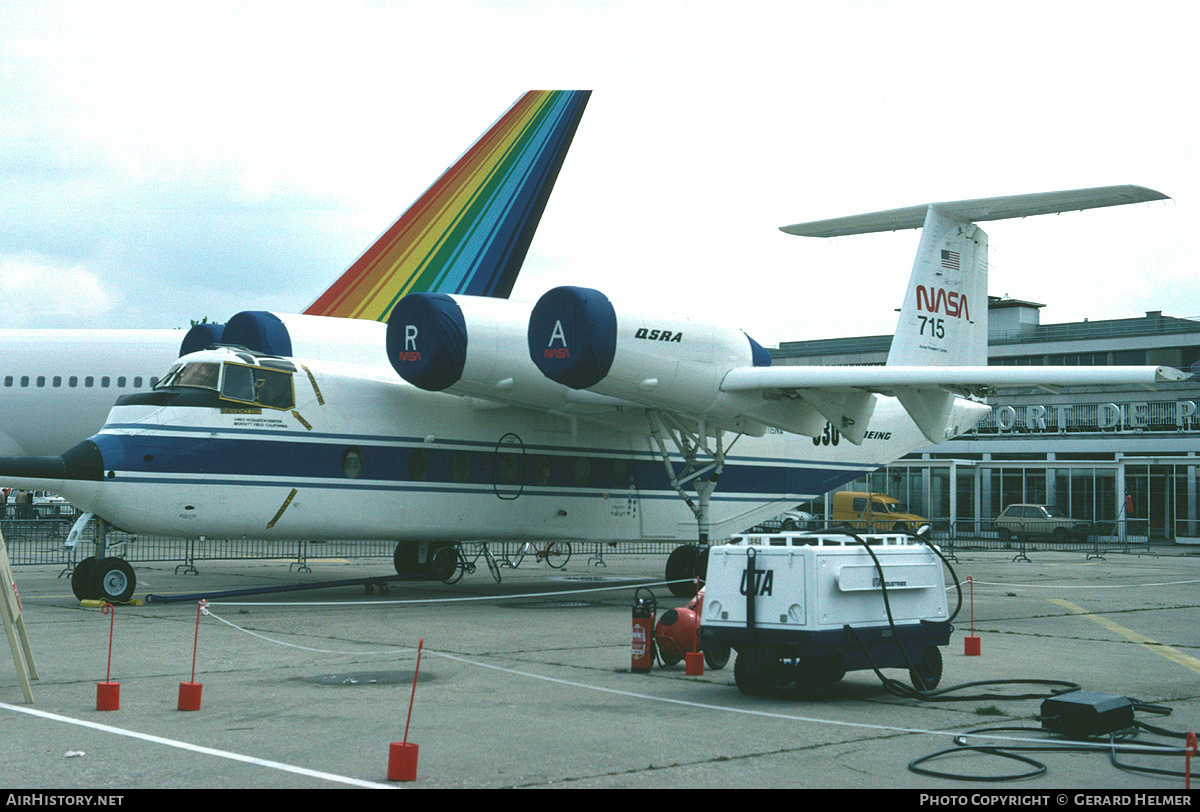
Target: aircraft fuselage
355, 453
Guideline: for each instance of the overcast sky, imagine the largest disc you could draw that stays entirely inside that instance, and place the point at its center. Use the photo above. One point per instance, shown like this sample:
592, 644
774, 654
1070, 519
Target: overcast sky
163, 162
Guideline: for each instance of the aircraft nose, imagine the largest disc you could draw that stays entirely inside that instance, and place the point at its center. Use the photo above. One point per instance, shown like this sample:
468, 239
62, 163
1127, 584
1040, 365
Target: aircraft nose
82, 462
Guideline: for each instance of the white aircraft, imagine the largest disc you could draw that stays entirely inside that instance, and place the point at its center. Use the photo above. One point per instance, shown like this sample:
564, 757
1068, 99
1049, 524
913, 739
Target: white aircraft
468, 233
568, 418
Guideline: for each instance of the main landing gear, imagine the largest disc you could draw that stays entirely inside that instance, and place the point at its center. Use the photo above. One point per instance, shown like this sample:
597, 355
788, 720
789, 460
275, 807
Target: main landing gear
703, 453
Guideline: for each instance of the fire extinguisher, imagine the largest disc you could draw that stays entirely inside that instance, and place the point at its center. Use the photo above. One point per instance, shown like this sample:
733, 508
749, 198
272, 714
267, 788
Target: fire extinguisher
644, 609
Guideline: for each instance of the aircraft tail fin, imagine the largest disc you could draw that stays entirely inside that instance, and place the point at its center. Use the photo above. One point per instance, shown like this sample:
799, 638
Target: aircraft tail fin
470, 231
944, 318
943, 321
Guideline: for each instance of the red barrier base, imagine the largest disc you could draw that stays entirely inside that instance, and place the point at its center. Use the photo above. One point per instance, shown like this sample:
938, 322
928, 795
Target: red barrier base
108, 696
971, 646
693, 663
189, 695
402, 762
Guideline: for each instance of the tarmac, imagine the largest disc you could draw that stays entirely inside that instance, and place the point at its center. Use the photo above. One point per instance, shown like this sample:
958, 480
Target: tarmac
527, 683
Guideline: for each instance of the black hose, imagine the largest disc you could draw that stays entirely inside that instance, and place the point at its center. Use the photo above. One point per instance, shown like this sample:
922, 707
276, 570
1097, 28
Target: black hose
897, 688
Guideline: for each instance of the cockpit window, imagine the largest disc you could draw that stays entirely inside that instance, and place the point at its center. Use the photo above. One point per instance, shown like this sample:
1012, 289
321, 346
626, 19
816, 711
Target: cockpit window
270, 388
198, 375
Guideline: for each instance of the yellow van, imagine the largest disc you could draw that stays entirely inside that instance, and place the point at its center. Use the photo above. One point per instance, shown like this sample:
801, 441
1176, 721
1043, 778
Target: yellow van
874, 512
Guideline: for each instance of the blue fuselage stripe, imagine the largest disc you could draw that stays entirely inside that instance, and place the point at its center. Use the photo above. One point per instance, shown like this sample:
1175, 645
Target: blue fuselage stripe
247, 457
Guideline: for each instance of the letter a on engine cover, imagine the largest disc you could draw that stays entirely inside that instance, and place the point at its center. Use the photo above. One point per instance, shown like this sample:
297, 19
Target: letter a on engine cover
573, 336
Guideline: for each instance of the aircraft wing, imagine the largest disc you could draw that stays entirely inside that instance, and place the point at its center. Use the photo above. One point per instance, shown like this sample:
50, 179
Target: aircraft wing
844, 395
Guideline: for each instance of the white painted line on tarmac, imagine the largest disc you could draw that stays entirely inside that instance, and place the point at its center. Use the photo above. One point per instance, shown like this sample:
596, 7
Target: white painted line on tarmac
197, 748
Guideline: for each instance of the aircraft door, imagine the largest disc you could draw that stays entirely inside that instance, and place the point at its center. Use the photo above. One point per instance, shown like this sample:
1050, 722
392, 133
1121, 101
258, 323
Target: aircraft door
509, 467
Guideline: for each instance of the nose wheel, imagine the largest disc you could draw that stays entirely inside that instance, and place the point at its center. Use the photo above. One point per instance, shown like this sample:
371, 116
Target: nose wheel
103, 579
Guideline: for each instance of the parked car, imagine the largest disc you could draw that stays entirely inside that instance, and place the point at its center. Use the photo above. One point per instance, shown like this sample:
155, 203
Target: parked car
797, 520
1040, 521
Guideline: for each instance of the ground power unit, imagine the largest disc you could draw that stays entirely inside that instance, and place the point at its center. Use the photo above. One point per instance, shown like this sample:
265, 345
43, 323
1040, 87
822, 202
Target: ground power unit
806, 608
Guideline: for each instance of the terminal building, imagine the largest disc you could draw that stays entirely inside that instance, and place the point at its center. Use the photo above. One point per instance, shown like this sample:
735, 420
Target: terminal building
1123, 458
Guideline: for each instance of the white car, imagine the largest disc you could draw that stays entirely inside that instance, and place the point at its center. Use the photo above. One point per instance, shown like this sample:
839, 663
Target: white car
797, 520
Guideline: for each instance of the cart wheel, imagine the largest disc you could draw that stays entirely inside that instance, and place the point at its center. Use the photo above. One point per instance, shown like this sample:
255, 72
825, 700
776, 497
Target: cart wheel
928, 672
716, 657
817, 674
758, 671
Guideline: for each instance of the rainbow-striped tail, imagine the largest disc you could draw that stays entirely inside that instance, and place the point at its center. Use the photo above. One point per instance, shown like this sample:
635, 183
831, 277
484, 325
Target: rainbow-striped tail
470, 231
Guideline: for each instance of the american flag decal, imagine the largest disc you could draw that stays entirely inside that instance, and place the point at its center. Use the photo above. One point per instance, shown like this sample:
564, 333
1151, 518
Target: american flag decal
950, 260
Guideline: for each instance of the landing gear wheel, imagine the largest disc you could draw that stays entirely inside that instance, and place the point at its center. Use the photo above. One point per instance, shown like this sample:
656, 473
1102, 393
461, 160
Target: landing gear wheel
758, 671
558, 553
928, 672
82, 583
114, 579
447, 564
682, 569
716, 656
404, 559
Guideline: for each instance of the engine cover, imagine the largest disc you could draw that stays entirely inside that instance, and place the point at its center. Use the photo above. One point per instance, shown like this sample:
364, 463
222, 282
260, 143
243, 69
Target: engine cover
319, 338
578, 338
467, 345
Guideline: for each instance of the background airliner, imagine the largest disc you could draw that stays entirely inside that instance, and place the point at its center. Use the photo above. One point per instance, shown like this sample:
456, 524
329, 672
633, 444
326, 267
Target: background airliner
58, 385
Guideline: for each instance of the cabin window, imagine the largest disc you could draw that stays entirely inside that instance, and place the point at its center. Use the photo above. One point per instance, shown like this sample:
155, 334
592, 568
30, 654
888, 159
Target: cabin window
418, 465
460, 466
352, 462
542, 471
583, 472
73, 381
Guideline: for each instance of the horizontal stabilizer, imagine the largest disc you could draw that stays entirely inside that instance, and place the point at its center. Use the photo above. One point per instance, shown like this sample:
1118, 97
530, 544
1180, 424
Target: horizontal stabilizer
884, 379
979, 210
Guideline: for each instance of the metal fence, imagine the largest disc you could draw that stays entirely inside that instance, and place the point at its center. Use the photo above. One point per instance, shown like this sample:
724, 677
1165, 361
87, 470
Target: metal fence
1125, 536
42, 541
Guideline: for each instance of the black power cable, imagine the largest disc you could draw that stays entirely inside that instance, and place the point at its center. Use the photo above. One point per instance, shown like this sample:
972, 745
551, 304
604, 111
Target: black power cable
1010, 752
899, 689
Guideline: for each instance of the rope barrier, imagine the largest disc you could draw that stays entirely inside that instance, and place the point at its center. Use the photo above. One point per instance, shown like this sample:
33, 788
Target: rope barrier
519, 596
668, 700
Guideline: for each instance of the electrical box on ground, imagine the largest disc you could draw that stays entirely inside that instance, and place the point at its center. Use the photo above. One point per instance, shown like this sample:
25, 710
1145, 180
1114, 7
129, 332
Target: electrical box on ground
1080, 714
806, 608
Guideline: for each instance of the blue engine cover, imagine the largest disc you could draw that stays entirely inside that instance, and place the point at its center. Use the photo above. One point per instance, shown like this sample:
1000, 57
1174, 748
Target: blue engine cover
259, 331
201, 337
427, 340
573, 336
